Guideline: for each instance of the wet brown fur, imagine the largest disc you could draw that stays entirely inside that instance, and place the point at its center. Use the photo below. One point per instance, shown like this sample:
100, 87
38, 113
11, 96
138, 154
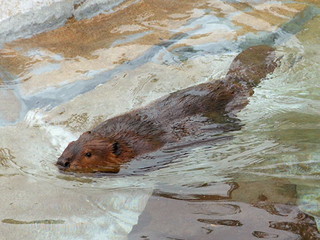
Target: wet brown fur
169, 119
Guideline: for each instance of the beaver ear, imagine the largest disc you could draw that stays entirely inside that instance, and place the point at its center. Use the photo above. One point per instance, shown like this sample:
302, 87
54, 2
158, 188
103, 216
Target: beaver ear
116, 148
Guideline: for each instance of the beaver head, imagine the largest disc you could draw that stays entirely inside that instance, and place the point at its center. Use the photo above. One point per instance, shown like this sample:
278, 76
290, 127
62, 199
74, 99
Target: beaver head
94, 153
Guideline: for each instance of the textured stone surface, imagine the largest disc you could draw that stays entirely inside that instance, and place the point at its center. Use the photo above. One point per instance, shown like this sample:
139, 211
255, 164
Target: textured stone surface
81, 49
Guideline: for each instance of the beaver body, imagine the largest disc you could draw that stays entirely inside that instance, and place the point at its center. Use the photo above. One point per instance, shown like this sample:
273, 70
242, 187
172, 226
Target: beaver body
170, 119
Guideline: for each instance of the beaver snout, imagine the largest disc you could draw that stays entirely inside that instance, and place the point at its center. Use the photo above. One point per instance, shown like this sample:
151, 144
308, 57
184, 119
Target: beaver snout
63, 163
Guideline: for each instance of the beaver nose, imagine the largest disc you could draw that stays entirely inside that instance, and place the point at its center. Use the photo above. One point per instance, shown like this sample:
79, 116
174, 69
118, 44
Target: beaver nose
63, 162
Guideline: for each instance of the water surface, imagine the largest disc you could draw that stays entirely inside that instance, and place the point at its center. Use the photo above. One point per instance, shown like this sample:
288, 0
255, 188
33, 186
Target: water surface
260, 181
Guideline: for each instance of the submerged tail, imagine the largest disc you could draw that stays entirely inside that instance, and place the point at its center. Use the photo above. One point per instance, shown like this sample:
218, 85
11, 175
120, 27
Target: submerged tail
252, 65
246, 71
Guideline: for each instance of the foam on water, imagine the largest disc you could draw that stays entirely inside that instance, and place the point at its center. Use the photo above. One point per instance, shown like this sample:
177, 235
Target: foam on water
57, 135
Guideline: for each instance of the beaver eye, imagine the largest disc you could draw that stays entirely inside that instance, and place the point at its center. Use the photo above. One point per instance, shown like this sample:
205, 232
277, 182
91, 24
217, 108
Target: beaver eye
88, 154
116, 149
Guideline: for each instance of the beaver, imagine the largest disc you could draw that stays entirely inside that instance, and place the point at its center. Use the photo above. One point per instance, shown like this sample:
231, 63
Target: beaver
171, 118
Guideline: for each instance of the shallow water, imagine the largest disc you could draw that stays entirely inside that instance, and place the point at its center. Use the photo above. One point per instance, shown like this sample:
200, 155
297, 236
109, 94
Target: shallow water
259, 182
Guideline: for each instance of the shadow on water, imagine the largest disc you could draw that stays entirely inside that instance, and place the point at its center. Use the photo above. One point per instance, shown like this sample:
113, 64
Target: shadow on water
244, 210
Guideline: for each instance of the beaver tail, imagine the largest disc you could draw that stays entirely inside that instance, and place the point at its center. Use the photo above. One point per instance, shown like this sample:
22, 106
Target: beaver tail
252, 65
246, 72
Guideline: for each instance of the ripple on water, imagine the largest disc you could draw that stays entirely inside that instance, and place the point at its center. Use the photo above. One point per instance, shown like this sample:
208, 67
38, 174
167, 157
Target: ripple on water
258, 170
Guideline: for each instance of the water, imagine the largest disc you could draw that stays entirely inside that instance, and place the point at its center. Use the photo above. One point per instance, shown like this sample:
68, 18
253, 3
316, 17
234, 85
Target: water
257, 182
21, 19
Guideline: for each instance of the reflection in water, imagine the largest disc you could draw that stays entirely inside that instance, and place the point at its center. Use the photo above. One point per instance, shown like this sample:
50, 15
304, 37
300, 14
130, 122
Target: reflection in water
12, 221
246, 184
5, 156
226, 222
241, 214
259, 234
